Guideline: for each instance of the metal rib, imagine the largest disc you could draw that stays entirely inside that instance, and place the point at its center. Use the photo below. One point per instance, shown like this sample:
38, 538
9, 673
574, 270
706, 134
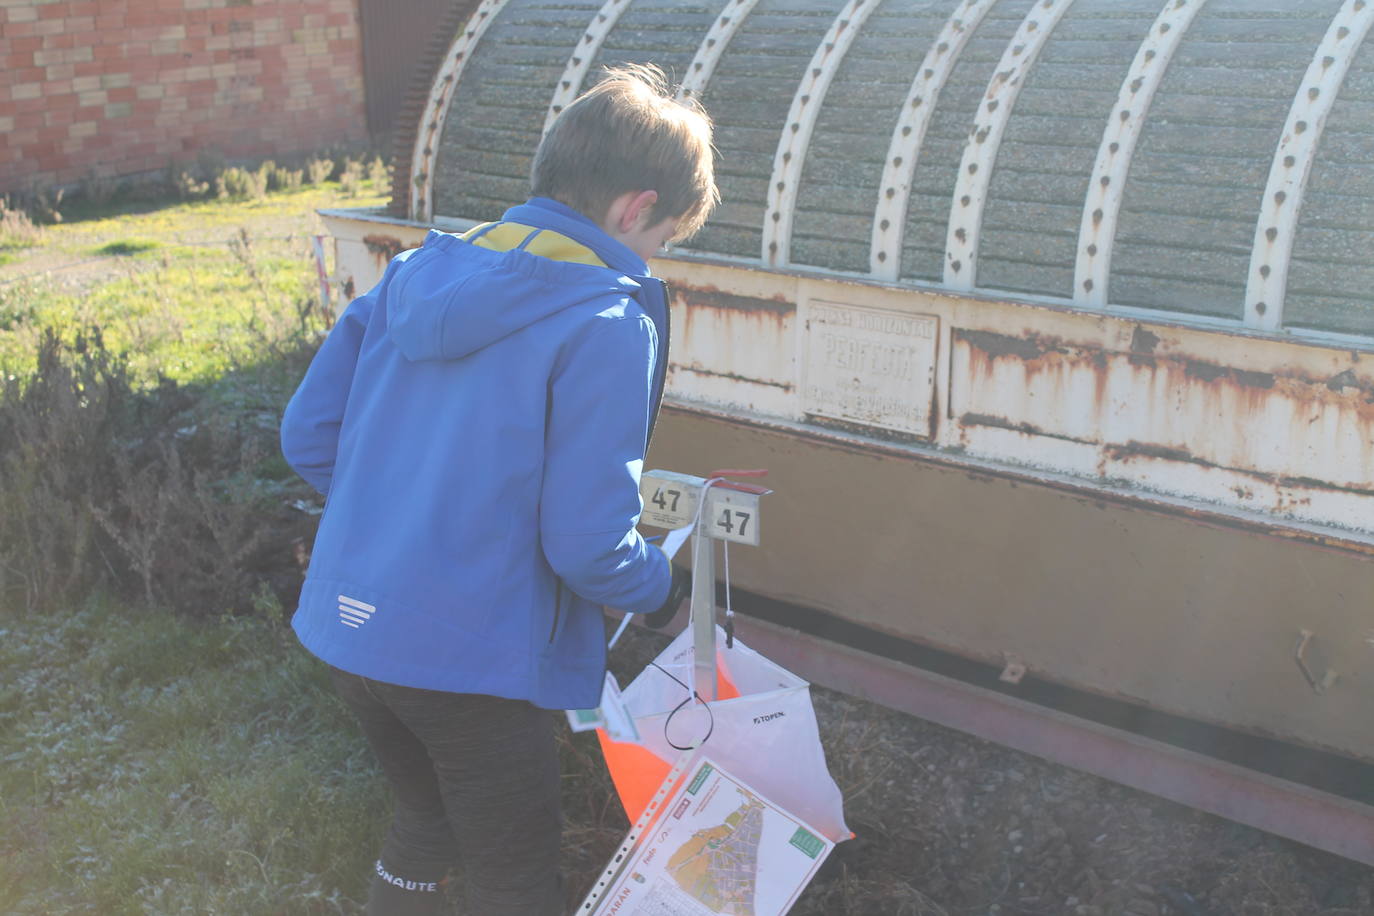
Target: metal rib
570, 83
801, 121
436, 108
1097, 230
904, 149
1278, 221
703, 64
990, 123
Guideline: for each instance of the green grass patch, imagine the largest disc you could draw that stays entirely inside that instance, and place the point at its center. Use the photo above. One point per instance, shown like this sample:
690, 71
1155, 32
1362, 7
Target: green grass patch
155, 765
125, 247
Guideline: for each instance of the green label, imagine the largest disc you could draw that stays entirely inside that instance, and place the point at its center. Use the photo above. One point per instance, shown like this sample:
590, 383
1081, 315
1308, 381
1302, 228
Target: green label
698, 779
587, 716
807, 842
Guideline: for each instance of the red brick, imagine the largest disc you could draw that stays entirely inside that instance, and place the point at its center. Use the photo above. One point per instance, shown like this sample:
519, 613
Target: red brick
54, 11
84, 8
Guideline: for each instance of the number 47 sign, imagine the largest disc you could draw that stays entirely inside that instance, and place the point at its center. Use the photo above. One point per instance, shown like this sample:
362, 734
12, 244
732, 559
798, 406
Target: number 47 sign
731, 512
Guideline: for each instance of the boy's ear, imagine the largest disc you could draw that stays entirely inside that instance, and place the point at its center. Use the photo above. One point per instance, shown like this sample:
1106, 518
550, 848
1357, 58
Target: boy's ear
631, 210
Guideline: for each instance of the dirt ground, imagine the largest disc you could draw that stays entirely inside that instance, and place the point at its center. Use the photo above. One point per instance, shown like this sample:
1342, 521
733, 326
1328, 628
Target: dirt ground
951, 824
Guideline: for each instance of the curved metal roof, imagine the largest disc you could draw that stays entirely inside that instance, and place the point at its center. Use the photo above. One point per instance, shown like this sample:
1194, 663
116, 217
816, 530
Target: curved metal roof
1212, 157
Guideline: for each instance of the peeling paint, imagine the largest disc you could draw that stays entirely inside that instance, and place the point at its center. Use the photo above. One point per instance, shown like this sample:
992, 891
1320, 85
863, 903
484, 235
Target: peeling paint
1211, 372
731, 376
383, 247
995, 345
714, 298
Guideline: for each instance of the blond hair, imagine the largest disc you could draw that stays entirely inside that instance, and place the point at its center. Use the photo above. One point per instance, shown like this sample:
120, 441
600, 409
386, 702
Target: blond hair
627, 133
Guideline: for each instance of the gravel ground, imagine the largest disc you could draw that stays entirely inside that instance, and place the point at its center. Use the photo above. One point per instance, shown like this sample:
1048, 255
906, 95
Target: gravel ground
951, 824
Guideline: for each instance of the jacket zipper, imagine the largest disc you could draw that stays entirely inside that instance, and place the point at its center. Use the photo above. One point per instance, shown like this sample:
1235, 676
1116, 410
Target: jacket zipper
557, 610
660, 370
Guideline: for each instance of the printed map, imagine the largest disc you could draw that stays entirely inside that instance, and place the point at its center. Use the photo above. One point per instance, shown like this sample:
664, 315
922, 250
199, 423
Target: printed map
717, 865
712, 847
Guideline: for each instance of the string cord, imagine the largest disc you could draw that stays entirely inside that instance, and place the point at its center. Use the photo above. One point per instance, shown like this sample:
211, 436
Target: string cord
693, 695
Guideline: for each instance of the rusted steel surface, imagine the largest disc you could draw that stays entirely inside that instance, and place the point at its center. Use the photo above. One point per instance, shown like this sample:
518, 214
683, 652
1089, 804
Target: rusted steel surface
718, 331
1238, 424
1145, 600
1318, 819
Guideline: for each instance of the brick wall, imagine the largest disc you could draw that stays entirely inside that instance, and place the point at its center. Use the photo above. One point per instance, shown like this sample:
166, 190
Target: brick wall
117, 87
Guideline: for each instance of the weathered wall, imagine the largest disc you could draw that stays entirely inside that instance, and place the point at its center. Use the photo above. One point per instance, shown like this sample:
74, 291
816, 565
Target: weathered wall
118, 87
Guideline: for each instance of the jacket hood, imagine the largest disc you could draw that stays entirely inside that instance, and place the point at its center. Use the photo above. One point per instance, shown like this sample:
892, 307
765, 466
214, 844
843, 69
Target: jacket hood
452, 297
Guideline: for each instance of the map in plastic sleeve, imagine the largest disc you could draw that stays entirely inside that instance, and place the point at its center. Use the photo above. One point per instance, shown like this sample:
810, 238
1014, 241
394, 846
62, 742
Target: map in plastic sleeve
715, 846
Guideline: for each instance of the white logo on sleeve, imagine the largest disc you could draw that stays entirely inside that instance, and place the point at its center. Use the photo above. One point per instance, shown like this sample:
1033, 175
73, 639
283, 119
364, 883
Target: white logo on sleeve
354, 613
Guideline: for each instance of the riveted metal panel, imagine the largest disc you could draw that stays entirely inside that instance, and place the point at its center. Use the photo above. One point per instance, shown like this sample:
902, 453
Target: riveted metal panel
1166, 239
494, 124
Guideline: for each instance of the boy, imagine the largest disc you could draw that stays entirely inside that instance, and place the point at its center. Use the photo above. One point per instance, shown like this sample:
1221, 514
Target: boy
478, 422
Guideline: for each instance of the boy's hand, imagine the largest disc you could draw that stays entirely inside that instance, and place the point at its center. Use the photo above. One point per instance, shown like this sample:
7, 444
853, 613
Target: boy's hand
677, 593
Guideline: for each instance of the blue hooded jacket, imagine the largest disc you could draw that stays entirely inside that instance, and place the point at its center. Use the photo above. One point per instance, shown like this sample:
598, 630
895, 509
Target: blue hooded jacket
478, 423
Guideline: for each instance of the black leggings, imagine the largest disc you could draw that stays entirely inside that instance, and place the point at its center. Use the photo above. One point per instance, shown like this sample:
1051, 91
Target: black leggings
476, 780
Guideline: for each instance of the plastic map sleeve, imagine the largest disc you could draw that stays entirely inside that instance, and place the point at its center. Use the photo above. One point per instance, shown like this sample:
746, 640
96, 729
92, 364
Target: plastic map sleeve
711, 846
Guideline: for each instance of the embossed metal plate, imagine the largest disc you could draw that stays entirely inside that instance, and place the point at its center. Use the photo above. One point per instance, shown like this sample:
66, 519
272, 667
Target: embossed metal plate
873, 367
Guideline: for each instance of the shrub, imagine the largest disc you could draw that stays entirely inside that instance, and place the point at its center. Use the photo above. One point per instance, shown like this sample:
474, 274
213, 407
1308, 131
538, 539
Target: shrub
235, 183
143, 492
319, 170
284, 179
351, 179
17, 228
378, 173
187, 187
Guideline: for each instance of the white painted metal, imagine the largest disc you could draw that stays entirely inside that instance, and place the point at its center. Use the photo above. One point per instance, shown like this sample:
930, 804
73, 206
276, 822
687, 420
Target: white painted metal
989, 124
904, 150
436, 108
717, 39
1097, 231
1282, 201
801, 121
570, 83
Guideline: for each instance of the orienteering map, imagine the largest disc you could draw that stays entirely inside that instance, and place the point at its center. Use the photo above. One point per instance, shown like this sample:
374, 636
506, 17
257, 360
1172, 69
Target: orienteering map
716, 847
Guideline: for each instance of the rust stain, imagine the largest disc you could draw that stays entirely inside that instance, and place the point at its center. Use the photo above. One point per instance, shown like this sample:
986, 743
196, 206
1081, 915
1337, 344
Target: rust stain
1143, 345
1134, 449
1307, 483
1030, 429
996, 345
383, 247
732, 376
696, 297
1211, 372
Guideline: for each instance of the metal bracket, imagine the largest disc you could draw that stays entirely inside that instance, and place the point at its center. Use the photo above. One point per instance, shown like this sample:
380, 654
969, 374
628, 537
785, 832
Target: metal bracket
1013, 669
1310, 661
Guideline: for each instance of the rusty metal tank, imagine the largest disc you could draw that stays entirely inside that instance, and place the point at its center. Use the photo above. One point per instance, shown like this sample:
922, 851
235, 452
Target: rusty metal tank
1053, 320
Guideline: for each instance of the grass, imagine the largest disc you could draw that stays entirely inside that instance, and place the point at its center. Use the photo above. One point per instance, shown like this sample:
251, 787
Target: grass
154, 765
189, 290
127, 247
